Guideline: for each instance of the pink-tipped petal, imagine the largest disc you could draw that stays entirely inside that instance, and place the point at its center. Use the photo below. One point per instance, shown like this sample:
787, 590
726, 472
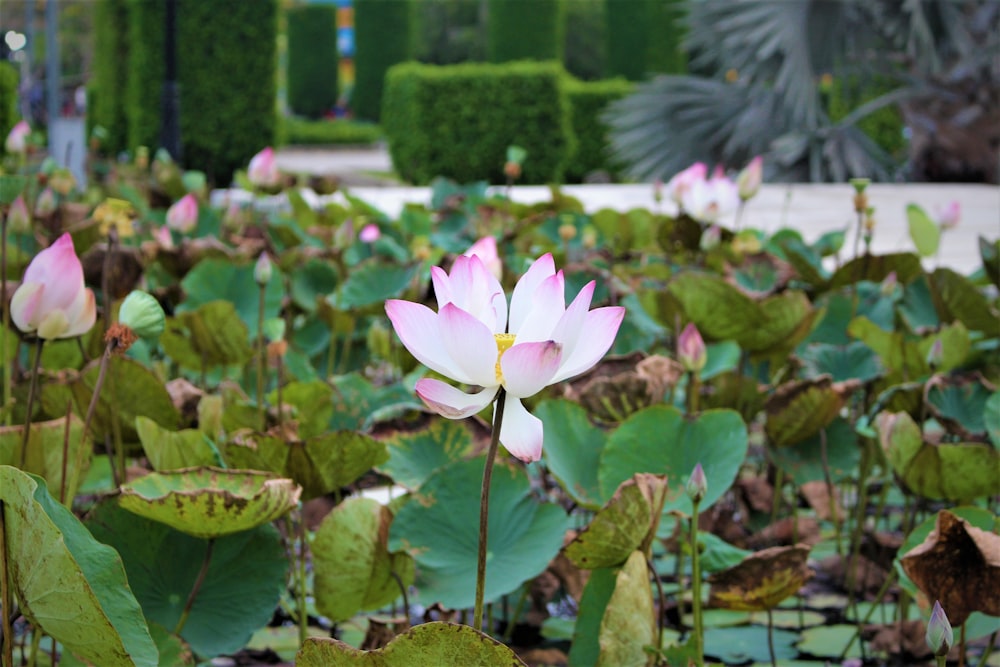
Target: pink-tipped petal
24, 306
449, 402
417, 327
83, 320
548, 307
477, 292
442, 286
570, 326
58, 268
523, 298
521, 432
470, 344
528, 367
599, 330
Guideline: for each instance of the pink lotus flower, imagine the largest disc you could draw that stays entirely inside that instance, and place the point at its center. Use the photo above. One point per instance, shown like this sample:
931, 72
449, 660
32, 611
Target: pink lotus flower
183, 215
52, 300
17, 138
683, 181
370, 233
749, 180
691, 350
474, 339
950, 214
486, 250
263, 169
708, 200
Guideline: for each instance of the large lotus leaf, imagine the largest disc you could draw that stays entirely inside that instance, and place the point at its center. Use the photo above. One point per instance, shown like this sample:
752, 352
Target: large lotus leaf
917, 307
415, 455
357, 404
210, 502
785, 322
804, 460
311, 281
586, 647
956, 298
903, 355
838, 308
428, 644
628, 625
798, 410
130, 390
626, 523
924, 232
736, 391
439, 527
170, 450
572, 449
959, 471
761, 274
662, 440
319, 465
875, 268
960, 404
312, 404
211, 335
854, 361
991, 418
241, 589
353, 569
66, 583
48, 443
372, 282
221, 280
639, 331
990, 253
719, 310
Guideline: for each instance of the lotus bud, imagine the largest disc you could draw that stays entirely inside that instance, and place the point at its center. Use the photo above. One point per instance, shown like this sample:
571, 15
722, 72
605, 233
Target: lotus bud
949, 216
940, 636
658, 190
935, 355
567, 232
46, 203
183, 215
889, 285
589, 238
17, 138
263, 169
486, 250
750, 178
143, 314
262, 270
52, 300
162, 237
711, 238
691, 349
369, 233
697, 484
18, 218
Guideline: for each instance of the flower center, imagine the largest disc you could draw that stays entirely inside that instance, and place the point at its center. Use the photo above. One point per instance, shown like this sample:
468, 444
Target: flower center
504, 342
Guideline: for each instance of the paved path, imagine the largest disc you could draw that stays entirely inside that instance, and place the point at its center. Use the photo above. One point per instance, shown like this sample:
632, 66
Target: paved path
811, 208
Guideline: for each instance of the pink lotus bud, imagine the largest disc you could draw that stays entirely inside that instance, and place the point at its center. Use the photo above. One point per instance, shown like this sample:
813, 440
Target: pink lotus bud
486, 250
950, 215
658, 190
691, 349
52, 301
711, 238
681, 182
750, 178
889, 285
18, 218
263, 169
183, 215
697, 484
46, 203
940, 636
162, 236
262, 270
17, 139
370, 233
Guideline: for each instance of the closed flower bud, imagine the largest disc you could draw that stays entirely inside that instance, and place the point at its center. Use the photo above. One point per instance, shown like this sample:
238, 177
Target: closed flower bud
697, 484
18, 219
369, 233
940, 636
46, 203
750, 178
262, 270
263, 169
691, 350
183, 215
17, 138
52, 300
143, 314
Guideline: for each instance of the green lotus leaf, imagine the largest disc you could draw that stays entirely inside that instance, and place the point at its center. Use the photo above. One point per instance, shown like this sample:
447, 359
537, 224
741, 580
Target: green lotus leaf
48, 443
840, 362
586, 646
719, 310
959, 404
990, 253
211, 335
353, 568
925, 233
627, 522
628, 626
956, 298
955, 471
415, 455
875, 268
312, 405
917, 307
221, 280
803, 461
572, 449
372, 282
785, 320
210, 502
172, 450
798, 410
69, 585
428, 644
904, 356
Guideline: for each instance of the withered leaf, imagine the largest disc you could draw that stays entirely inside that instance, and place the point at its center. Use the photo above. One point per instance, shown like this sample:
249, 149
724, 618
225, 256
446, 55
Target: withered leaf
761, 580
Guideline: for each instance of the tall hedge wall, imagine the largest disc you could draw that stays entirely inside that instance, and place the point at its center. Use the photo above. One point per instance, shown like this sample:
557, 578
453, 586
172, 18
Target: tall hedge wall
458, 120
588, 100
312, 59
107, 95
226, 60
8, 100
384, 35
643, 36
519, 29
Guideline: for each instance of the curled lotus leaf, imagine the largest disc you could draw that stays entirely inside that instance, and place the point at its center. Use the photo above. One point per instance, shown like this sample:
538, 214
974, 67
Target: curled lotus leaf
798, 410
210, 502
761, 580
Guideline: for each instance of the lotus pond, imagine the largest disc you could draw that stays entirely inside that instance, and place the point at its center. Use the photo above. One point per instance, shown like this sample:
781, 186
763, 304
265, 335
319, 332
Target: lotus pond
217, 445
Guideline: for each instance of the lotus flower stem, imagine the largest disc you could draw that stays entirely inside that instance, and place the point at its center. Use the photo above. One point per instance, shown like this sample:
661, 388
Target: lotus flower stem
889, 581
6, 318
117, 476
834, 514
661, 599
508, 633
300, 584
961, 646
261, 360
989, 650
696, 589
196, 587
65, 455
32, 390
484, 510
770, 637
6, 599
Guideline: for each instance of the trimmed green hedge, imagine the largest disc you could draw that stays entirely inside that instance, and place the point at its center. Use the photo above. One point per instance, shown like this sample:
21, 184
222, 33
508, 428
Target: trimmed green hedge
227, 54
523, 29
106, 94
384, 35
458, 120
312, 59
588, 100
643, 36
339, 131
8, 100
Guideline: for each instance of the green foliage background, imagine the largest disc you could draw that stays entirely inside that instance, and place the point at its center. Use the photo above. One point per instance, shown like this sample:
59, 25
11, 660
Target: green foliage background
384, 33
312, 59
588, 100
107, 95
643, 36
8, 98
519, 29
